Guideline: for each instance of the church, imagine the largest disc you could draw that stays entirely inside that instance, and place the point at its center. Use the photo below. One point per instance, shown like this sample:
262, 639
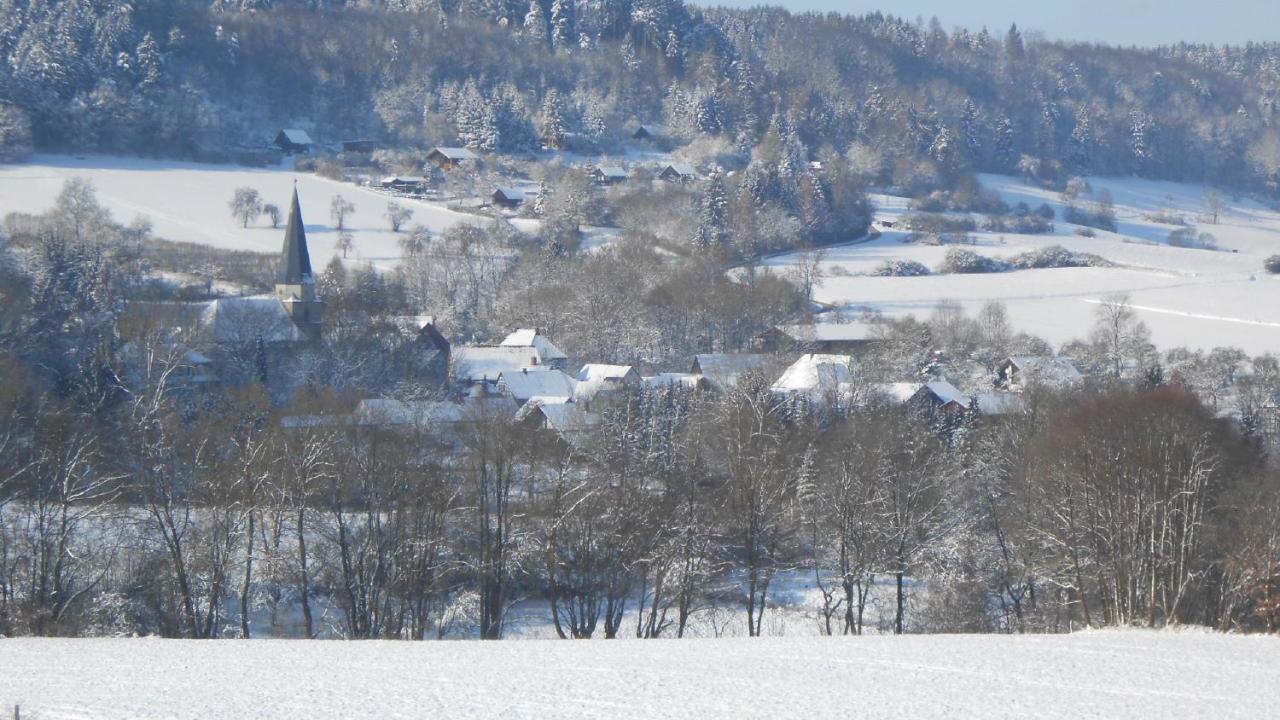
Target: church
293, 314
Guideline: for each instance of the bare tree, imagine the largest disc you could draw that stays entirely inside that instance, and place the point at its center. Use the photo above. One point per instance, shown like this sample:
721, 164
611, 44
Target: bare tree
397, 215
339, 209
246, 205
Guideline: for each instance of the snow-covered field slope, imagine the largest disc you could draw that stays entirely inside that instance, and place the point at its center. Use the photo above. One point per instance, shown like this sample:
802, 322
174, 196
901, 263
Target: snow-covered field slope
188, 202
1193, 297
1112, 674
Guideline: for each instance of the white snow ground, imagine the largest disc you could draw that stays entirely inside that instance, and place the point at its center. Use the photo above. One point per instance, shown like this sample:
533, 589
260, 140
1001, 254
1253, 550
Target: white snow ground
188, 202
1111, 674
1197, 298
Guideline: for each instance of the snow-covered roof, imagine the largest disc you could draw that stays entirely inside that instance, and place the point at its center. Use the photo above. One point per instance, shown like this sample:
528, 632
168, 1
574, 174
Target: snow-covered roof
815, 372
531, 382
570, 420
612, 171
897, 391
510, 193
1053, 371
455, 153
996, 403
528, 337
688, 381
724, 369
598, 371
387, 411
832, 332
296, 136
474, 363
240, 320
681, 169
945, 392
405, 180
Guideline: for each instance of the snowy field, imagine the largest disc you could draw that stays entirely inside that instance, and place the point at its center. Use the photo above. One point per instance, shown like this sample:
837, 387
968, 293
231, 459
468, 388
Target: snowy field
188, 202
1198, 298
1101, 674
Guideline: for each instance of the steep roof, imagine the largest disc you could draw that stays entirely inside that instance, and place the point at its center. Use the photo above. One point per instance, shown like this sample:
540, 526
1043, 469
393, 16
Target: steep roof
528, 337
945, 392
612, 171
295, 265
1051, 371
681, 169
527, 383
815, 372
455, 153
242, 320
472, 363
296, 136
723, 369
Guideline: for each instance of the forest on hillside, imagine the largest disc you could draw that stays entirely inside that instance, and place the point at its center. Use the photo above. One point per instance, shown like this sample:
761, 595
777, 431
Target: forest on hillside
909, 105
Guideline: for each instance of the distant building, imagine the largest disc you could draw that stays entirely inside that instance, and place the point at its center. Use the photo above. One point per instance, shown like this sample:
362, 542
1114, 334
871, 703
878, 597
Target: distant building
295, 282
609, 175
853, 337
508, 197
527, 383
293, 140
451, 158
678, 172
723, 370
547, 353
1022, 371
359, 147
816, 376
595, 379
473, 364
646, 132
409, 185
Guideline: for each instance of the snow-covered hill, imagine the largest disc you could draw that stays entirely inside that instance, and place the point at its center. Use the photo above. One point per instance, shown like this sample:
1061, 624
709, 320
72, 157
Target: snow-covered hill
1193, 297
188, 202
1111, 674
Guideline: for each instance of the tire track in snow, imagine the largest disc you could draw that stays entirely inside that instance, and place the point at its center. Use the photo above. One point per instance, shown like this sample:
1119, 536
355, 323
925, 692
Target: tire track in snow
1195, 316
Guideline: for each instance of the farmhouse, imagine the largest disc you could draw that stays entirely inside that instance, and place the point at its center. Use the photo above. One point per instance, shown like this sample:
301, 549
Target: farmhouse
529, 382
450, 158
407, 184
595, 379
723, 370
508, 197
1022, 371
852, 337
609, 175
678, 172
293, 140
816, 376
545, 351
646, 132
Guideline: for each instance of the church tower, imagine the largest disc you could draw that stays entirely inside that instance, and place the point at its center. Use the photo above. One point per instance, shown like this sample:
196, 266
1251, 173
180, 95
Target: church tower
295, 283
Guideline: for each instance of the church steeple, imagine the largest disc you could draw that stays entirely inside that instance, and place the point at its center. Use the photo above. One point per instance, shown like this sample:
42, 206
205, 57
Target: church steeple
295, 283
295, 266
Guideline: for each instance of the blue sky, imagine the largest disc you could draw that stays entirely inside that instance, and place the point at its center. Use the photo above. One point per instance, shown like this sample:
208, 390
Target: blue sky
1117, 22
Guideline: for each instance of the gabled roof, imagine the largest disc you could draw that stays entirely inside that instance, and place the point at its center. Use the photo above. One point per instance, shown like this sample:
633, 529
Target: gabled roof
724, 369
295, 264
611, 171
687, 381
455, 154
681, 169
529, 337
510, 193
296, 136
527, 383
242, 320
815, 372
1053, 371
597, 371
832, 332
475, 363
944, 392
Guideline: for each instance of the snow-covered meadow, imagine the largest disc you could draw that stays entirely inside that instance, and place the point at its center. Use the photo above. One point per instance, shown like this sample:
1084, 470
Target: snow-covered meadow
188, 202
1111, 674
1193, 297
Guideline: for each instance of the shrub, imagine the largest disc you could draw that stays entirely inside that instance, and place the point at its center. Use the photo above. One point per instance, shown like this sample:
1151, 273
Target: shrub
1045, 211
965, 262
900, 268
933, 223
1086, 232
1056, 256
1102, 218
1272, 264
1189, 238
1024, 224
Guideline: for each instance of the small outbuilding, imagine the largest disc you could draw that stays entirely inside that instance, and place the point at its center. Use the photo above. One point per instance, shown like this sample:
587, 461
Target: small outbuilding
451, 158
508, 197
293, 140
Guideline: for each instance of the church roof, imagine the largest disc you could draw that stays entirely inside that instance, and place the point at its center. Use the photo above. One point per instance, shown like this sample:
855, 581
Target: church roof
295, 266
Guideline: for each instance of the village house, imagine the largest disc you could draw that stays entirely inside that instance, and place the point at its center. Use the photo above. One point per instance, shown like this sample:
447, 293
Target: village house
609, 175
646, 132
569, 421
474, 364
451, 158
1020, 372
678, 172
529, 382
818, 377
508, 197
723, 370
839, 338
603, 380
547, 353
406, 184
293, 141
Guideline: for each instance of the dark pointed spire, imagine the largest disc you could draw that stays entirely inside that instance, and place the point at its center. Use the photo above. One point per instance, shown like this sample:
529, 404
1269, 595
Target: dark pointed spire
295, 266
